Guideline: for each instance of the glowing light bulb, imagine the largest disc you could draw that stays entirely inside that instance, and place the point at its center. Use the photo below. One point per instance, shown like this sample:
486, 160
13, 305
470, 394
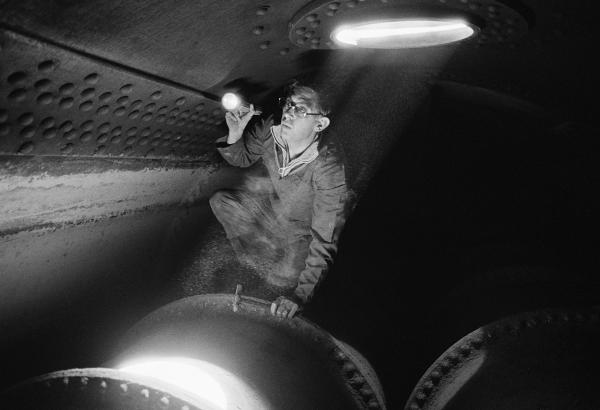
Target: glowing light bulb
403, 33
231, 101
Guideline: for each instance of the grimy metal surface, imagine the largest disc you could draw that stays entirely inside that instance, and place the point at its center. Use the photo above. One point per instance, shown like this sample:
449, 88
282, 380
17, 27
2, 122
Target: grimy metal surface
545, 359
97, 389
292, 364
57, 101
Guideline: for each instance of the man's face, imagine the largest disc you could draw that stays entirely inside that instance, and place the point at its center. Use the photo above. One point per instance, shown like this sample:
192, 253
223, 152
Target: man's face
294, 127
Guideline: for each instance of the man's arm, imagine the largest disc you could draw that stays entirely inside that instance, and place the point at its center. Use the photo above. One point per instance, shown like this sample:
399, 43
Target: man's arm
242, 148
328, 218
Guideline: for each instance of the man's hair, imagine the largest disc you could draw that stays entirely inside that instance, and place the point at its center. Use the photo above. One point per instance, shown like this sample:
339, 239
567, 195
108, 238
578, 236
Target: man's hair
312, 92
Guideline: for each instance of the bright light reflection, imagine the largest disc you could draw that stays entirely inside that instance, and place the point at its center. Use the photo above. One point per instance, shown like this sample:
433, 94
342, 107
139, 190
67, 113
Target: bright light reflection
403, 33
231, 101
194, 376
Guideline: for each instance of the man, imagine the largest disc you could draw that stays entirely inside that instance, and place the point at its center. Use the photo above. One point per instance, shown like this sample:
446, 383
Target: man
292, 223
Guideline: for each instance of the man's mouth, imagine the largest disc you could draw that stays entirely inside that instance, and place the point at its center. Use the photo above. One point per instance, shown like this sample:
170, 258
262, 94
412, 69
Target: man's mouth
286, 125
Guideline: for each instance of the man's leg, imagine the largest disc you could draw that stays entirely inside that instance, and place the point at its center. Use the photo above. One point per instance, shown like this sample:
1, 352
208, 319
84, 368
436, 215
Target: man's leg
246, 219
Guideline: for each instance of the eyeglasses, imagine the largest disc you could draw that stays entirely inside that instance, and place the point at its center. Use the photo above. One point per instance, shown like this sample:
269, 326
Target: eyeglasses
299, 111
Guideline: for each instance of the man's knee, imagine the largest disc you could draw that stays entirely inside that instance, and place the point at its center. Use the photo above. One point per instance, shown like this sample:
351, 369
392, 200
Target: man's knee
226, 203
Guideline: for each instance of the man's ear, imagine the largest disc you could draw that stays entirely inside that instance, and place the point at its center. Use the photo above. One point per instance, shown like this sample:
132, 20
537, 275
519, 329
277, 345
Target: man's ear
322, 123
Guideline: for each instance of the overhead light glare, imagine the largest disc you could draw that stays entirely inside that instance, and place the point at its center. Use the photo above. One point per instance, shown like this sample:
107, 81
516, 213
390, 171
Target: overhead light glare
194, 376
403, 33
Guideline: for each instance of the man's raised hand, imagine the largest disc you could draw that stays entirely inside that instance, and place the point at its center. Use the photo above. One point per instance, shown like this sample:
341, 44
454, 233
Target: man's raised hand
237, 121
284, 308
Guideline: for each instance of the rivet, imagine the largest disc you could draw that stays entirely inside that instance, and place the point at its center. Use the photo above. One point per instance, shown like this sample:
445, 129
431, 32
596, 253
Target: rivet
373, 404
145, 393
45, 98
366, 391
421, 395
104, 109
67, 148
147, 117
309, 34
43, 84
84, 380
143, 141
104, 127
27, 132
26, 148
315, 24
70, 135
311, 17
46, 66
474, 6
300, 30
18, 77
156, 95
86, 105
348, 367
180, 101
133, 115
132, 131
300, 41
87, 125
264, 45
160, 118
19, 95
119, 111
102, 138
91, 78
330, 13
414, 406
126, 89
116, 139
105, 97
86, 136
24, 119
123, 387
103, 384
49, 133
262, 10
284, 51
88, 93
351, 4
149, 153
122, 100
117, 131
258, 30
66, 88
101, 149
165, 400
334, 6
136, 105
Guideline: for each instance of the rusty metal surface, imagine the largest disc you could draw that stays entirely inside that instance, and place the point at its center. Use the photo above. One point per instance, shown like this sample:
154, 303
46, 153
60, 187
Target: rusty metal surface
545, 359
97, 389
55, 101
292, 363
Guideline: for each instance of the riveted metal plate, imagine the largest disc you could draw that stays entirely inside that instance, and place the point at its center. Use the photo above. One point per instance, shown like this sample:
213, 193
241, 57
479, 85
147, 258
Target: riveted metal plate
100, 389
58, 101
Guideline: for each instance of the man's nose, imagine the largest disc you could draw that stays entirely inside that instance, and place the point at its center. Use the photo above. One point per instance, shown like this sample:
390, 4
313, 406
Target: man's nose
286, 115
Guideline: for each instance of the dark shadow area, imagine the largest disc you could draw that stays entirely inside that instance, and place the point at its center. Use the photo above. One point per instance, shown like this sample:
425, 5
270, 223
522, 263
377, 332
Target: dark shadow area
476, 213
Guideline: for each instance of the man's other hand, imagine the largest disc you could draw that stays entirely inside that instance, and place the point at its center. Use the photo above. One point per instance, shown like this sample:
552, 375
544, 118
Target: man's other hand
284, 308
237, 121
